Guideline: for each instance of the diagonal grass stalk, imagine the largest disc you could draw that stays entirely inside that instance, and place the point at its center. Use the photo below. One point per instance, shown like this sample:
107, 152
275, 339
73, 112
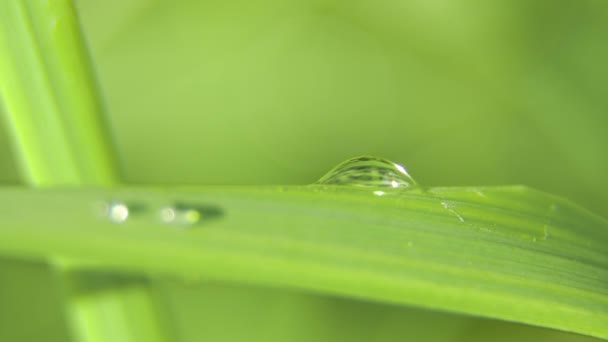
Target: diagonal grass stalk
50, 96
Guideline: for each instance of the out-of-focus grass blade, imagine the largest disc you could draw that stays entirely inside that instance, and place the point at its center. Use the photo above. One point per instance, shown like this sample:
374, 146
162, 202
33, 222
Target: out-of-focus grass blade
47, 87
509, 253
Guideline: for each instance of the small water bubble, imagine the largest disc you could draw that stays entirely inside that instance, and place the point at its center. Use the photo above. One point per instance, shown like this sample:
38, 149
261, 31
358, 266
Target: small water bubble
117, 212
369, 172
192, 216
176, 215
186, 214
167, 215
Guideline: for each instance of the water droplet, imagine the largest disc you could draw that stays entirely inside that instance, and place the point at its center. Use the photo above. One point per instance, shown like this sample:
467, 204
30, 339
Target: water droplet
185, 214
167, 214
117, 212
369, 171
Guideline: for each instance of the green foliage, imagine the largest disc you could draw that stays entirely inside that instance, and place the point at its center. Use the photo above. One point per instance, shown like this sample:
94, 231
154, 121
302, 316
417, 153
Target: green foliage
508, 253
463, 92
250, 93
49, 95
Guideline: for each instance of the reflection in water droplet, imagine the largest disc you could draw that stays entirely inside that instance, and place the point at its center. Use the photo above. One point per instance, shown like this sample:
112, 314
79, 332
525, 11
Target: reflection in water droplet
117, 212
167, 214
192, 216
369, 171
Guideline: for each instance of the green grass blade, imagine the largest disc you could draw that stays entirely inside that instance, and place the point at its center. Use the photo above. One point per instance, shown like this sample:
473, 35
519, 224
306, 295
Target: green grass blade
50, 97
509, 253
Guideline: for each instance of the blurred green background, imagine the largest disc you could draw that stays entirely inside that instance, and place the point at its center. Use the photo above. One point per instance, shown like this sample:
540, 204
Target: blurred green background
276, 92
464, 92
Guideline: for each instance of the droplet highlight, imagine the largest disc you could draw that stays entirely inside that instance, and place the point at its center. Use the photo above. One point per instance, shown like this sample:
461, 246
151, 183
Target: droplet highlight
116, 211
368, 171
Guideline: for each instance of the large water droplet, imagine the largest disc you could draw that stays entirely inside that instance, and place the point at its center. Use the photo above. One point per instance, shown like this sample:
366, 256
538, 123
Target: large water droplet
369, 171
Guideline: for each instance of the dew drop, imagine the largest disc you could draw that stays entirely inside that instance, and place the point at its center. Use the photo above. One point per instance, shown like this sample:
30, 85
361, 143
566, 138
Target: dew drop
371, 172
180, 215
167, 214
183, 214
117, 212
